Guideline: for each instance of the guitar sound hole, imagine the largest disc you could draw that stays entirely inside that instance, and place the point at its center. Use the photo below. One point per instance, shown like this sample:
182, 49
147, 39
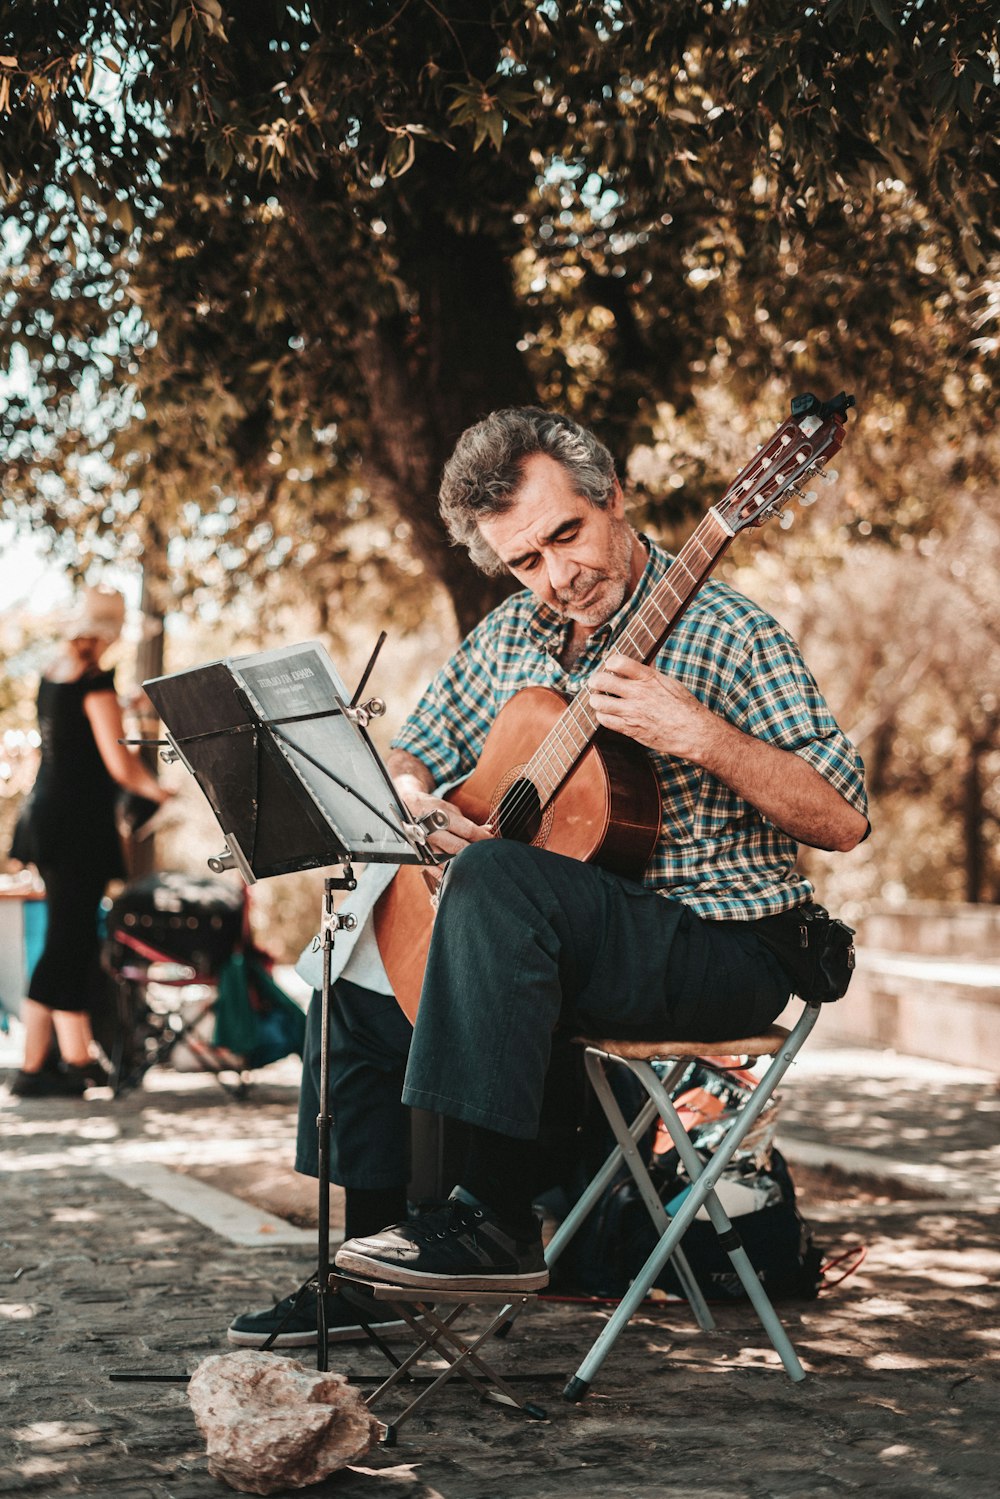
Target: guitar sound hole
519, 815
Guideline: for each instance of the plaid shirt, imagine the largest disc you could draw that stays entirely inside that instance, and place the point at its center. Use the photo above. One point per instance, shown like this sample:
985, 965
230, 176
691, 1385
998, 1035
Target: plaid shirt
716, 852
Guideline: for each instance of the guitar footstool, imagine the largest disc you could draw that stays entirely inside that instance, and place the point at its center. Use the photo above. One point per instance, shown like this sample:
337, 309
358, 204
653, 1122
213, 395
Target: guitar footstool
432, 1317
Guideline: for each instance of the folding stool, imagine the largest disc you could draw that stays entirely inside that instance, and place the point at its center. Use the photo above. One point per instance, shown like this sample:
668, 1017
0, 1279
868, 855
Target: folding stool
776, 1042
432, 1315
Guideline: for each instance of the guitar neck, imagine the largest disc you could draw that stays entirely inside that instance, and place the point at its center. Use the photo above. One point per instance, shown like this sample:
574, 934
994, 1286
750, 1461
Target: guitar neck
640, 640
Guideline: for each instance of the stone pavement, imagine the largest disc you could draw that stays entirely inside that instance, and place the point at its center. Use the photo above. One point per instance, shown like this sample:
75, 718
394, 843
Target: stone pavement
97, 1276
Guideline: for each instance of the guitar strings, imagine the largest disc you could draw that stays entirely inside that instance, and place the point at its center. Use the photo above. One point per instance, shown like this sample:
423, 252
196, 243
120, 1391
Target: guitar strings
518, 804
524, 801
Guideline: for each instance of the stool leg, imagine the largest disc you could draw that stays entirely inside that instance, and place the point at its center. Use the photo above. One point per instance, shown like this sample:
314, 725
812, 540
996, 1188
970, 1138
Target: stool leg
586, 1202
704, 1178
630, 1302
682, 1219
438, 1335
595, 1189
730, 1240
637, 1166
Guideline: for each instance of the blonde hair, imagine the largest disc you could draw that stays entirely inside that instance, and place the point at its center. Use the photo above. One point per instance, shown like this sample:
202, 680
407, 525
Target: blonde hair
98, 613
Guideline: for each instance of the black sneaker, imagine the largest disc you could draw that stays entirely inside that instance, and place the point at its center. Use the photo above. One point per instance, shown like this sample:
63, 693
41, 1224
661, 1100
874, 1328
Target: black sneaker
45, 1084
90, 1075
459, 1246
253, 1329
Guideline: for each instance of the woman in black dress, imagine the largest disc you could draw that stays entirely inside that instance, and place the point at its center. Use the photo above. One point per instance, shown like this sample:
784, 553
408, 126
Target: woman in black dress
68, 831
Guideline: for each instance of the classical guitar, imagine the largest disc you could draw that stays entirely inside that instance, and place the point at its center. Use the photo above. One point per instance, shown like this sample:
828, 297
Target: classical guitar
548, 774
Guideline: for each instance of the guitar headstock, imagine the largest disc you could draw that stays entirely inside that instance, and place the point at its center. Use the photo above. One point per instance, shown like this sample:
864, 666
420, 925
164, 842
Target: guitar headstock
801, 446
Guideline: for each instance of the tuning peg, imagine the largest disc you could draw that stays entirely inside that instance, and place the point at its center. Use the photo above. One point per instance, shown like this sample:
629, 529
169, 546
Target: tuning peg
809, 497
786, 519
829, 474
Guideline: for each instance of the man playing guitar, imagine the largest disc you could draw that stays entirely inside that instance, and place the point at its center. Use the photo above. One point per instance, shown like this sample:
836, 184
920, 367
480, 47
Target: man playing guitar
747, 761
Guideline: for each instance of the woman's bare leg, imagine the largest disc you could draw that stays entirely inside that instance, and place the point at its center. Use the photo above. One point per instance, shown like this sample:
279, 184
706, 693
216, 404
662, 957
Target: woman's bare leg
38, 1032
72, 1030
75, 1036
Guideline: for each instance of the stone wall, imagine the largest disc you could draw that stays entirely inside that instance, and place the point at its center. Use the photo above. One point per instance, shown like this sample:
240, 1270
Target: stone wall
927, 983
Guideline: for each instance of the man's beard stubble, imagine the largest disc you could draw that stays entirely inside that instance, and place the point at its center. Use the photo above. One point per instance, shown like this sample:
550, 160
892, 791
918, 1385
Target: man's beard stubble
616, 574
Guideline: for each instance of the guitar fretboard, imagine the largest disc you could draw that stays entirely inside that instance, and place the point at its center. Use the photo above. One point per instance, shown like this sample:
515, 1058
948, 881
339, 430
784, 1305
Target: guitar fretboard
640, 639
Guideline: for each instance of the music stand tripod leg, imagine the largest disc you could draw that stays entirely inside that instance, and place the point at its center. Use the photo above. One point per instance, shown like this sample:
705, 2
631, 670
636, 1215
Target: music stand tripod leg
330, 923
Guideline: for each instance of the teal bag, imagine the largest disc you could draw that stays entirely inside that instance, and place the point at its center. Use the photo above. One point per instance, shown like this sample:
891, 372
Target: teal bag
254, 1018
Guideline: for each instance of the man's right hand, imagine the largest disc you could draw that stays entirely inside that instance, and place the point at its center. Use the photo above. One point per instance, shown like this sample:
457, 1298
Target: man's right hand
448, 840
413, 782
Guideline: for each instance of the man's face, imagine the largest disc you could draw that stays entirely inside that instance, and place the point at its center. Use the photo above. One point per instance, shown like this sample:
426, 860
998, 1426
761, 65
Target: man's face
581, 561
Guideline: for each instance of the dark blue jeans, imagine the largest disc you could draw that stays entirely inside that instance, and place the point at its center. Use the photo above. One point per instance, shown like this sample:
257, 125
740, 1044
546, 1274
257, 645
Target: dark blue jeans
526, 940
369, 1042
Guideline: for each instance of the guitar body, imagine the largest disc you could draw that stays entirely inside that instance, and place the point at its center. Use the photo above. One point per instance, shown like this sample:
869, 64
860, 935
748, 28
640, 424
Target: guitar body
607, 811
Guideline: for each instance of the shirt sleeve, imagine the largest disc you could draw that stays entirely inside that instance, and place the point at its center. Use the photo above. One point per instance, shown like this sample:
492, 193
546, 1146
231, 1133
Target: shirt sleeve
775, 697
101, 681
448, 727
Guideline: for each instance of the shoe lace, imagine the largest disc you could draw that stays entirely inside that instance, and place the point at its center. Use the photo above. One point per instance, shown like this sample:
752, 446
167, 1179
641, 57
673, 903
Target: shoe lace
452, 1217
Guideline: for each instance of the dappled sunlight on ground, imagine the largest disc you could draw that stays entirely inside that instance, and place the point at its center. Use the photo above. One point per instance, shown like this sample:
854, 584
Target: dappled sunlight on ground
898, 1118
17, 1311
92, 1127
902, 1358
76, 1215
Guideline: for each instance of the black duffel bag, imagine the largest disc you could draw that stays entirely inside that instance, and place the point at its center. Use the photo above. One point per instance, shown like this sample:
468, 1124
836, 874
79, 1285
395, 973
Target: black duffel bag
195, 920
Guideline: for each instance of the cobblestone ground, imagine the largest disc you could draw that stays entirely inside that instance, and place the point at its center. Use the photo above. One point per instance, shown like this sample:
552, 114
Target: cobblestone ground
901, 1397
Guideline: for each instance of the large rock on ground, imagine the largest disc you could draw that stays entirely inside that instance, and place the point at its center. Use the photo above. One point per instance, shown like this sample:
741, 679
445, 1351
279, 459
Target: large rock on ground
270, 1423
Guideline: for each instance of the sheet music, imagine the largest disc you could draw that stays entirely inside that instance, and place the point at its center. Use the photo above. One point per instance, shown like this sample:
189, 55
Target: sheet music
293, 680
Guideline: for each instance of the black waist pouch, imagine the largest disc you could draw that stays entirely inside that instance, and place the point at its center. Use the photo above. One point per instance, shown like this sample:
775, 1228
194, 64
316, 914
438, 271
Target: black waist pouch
815, 949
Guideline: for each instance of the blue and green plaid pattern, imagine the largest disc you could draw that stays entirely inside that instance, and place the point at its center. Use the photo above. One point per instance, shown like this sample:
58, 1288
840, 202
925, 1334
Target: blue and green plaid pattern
716, 852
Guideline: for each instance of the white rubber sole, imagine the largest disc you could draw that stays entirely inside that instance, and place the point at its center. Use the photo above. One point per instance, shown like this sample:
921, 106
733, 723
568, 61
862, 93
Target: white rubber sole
396, 1275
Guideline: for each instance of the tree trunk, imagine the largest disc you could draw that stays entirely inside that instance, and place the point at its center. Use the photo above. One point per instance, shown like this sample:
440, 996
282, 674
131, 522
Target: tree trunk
429, 377
141, 852
974, 818
431, 370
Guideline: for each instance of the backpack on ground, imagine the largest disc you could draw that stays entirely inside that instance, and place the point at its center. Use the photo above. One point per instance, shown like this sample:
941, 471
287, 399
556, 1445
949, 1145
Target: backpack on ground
756, 1191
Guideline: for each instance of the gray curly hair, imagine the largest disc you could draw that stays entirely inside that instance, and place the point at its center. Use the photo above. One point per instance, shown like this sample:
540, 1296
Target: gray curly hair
482, 476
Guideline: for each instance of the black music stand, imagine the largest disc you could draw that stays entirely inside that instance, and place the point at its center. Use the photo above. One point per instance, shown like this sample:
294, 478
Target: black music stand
295, 783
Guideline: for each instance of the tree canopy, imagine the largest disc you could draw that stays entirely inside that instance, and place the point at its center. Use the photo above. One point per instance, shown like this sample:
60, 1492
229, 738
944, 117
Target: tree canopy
263, 262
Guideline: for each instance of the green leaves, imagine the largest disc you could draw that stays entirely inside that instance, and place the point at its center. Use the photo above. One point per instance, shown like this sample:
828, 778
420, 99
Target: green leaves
219, 152
613, 208
485, 106
194, 21
883, 10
